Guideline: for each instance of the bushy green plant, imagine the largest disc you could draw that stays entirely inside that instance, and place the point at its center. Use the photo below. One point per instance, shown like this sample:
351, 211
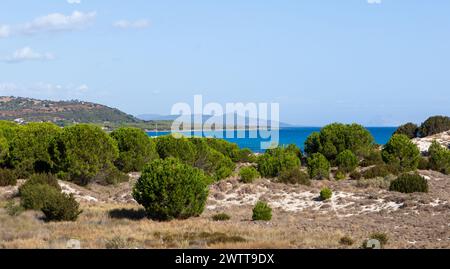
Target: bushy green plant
439, 158
171, 189
380, 171
83, 151
34, 196
61, 207
340, 175
373, 157
335, 138
246, 156
276, 160
7, 133
318, 166
110, 175
221, 217
7, 178
409, 183
402, 153
262, 211
37, 179
176, 147
326, 194
294, 176
230, 150
409, 129
30, 149
347, 161
434, 125
248, 174
211, 161
135, 149
377, 182
424, 164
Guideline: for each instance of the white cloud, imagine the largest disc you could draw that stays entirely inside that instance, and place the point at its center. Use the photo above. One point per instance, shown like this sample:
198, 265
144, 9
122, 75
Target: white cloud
125, 24
372, 2
27, 54
44, 90
74, 2
5, 31
59, 22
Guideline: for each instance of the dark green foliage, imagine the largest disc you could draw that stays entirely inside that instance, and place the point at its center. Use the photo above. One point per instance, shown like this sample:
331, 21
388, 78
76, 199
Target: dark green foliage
248, 174
34, 196
110, 175
356, 175
434, 125
409, 183
171, 189
61, 207
373, 157
262, 211
228, 149
221, 217
410, 130
246, 156
439, 158
380, 171
211, 161
180, 148
335, 138
83, 151
326, 194
135, 149
318, 166
276, 160
41, 179
30, 149
347, 161
7, 133
294, 176
295, 150
7, 178
401, 153
424, 164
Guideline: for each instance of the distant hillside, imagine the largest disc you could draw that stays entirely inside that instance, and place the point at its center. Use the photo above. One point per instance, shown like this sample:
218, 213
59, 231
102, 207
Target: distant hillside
61, 112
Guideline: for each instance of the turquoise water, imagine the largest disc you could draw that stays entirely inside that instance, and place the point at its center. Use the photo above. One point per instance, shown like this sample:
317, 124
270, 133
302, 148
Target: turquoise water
294, 135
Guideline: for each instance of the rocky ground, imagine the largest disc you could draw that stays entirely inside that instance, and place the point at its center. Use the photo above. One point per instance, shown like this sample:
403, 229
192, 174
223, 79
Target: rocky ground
111, 217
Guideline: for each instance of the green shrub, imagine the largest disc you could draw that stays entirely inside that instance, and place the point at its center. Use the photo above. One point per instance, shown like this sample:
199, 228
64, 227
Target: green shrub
377, 182
326, 194
221, 217
38, 179
410, 130
409, 183
180, 148
439, 158
347, 161
171, 189
135, 149
401, 153
335, 138
373, 157
356, 175
83, 151
262, 211
61, 207
295, 150
434, 125
424, 164
34, 196
248, 174
13, 209
30, 149
7, 178
380, 171
276, 160
110, 175
294, 176
318, 166
246, 156
340, 175
230, 150
211, 161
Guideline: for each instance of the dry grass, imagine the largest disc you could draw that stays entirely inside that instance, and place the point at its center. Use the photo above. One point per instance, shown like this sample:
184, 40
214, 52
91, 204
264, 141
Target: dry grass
123, 226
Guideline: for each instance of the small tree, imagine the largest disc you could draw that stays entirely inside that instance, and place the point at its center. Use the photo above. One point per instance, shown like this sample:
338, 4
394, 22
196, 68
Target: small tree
171, 189
318, 166
180, 148
248, 174
409, 129
347, 161
135, 149
276, 160
61, 207
409, 183
402, 153
439, 158
434, 125
262, 211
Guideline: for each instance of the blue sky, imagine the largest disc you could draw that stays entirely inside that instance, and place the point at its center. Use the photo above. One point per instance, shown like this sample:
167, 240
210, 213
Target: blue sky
367, 61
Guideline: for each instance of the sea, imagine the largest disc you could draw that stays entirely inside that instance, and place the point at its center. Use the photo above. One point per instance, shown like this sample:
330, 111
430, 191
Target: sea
290, 135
